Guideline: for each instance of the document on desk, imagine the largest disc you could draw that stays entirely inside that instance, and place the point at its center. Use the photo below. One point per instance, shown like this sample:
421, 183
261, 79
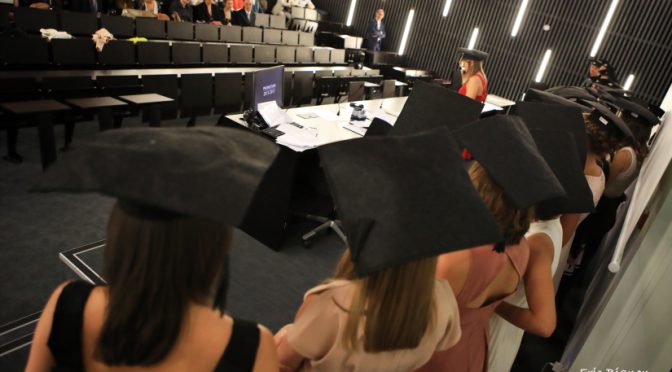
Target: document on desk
297, 138
490, 107
273, 114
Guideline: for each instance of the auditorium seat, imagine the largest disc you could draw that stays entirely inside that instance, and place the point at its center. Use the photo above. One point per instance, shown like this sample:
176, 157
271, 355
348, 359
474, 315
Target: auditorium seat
264, 54
288, 79
73, 52
25, 52
228, 93
120, 27
389, 88
117, 53
180, 30
303, 87
153, 53
150, 28
195, 95
286, 54
165, 85
278, 21
311, 14
231, 34
337, 56
4, 15
32, 20
118, 85
79, 24
298, 12
290, 37
215, 53
240, 54
306, 38
262, 20
185, 53
252, 35
272, 36
304, 55
206, 32
322, 55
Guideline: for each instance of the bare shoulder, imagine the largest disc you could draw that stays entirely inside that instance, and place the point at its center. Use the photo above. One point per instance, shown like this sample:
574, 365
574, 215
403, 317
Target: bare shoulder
267, 356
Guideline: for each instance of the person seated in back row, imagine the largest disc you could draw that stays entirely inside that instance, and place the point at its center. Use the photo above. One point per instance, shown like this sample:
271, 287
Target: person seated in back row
209, 12
246, 15
181, 11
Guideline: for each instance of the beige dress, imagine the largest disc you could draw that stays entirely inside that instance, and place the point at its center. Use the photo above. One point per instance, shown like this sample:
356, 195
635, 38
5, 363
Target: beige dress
317, 333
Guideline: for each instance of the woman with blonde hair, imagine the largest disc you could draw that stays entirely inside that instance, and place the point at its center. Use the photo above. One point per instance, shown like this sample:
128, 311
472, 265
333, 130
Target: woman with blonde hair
474, 81
166, 256
384, 310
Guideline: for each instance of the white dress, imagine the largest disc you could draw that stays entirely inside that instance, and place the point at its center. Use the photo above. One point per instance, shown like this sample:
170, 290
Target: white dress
596, 185
504, 337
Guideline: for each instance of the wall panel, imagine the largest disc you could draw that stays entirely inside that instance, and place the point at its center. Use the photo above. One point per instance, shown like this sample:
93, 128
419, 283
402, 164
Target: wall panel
639, 40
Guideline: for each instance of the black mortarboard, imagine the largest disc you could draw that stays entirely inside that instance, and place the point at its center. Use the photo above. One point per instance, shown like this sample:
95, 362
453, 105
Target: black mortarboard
573, 92
211, 173
505, 148
555, 147
548, 116
603, 115
430, 106
535, 95
473, 54
403, 198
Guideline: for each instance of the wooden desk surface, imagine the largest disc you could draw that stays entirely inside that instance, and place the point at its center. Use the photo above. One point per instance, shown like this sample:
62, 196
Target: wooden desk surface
34, 107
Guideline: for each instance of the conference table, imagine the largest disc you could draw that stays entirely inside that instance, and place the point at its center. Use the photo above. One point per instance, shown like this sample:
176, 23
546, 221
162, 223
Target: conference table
312, 127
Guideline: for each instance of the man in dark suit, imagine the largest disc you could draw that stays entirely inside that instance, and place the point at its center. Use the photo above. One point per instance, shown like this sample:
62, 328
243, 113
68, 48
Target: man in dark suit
375, 32
244, 16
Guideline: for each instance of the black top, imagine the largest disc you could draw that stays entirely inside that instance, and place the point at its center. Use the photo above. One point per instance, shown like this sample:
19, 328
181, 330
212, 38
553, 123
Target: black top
239, 17
201, 13
65, 339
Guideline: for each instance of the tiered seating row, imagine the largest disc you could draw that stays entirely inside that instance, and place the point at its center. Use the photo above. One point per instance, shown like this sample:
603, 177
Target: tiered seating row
81, 53
83, 24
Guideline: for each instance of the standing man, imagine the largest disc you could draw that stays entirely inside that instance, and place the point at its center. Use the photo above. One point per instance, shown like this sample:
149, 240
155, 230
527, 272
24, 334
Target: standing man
246, 15
375, 31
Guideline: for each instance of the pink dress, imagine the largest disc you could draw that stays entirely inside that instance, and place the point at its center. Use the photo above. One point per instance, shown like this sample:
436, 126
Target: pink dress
470, 354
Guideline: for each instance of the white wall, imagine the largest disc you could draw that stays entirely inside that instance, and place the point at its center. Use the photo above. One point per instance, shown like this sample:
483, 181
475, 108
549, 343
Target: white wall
667, 101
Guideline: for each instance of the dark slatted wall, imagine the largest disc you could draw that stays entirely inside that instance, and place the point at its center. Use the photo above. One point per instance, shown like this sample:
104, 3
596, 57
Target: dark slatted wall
639, 40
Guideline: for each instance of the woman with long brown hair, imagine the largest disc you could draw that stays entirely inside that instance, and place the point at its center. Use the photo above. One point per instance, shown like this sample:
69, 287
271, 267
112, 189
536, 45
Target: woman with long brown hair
483, 276
384, 309
166, 257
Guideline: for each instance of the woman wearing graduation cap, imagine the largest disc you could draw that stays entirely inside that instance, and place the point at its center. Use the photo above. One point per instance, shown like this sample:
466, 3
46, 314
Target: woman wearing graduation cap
384, 310
178, 193
474, 82
482, 277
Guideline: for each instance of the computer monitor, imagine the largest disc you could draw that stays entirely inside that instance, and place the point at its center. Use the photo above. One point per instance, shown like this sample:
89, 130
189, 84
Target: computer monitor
266, 84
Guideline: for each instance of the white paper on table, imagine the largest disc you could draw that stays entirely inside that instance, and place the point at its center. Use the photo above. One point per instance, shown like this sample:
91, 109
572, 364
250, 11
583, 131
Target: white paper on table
296, 137
353, 128
490, 107
385, 117
273, 114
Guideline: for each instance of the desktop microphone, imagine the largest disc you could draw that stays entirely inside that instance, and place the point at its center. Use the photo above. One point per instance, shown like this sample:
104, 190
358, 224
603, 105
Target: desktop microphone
338, 101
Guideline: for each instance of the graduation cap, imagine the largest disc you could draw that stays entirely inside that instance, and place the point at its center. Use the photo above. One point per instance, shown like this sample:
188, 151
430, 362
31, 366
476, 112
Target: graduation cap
404, 198
638, 112
555, 117
603, 115
430, 106
535, 95
159, 173
505, 148
473, 54
555, 147
573, 92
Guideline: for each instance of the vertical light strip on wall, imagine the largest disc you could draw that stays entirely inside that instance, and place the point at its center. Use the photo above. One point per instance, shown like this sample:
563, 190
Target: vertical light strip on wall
629, 81
519, 18
407, 30
542, 68
446, 7
474, 36
603, 29
351, 12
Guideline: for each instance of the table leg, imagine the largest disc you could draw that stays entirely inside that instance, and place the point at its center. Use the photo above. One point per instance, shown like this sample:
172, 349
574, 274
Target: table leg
154, 115
45, 129
105, 119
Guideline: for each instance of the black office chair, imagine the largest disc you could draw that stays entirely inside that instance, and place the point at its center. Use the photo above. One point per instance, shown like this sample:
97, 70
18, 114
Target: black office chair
195, 96
228, 94
120, 27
